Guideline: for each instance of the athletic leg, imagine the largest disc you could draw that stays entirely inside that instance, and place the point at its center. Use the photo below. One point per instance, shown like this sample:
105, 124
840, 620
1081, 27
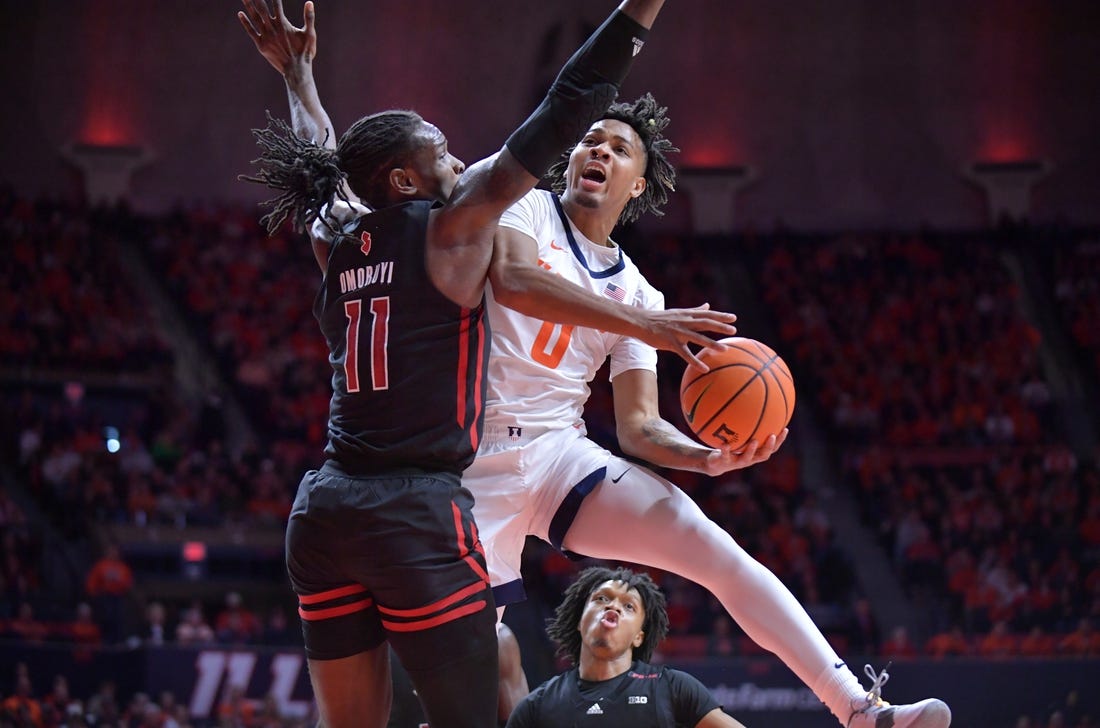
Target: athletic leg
658, 525
353, 692
456, 691
513, 681
437, 606
668, 531
347, 655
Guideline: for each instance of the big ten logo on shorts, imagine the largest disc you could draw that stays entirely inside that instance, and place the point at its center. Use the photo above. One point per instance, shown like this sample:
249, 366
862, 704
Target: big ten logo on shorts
222, 676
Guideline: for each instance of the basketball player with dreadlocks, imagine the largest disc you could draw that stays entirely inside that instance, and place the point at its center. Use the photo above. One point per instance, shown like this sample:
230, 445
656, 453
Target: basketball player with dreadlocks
536, 472
608, 624
381, 544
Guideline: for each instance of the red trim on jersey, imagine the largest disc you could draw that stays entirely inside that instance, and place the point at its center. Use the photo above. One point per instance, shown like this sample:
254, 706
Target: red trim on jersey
465, 339
463, 549
319, 614
479, 398
463, 366
342, 591
435, 606
477, 540
457, 613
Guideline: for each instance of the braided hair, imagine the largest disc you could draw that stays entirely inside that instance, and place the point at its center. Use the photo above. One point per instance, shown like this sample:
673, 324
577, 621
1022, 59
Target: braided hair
374, 145
308, 176
648, 120
562, 628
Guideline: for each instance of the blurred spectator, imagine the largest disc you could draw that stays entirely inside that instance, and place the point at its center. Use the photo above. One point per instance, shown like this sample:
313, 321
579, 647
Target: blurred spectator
21, 707
277, 630
139, 712
192, 628
84, 631
899, 644
155, 629
235, 710
1081, 642
999, 642
952, 643
103, 705
270, 716
170, 710
864, 635
60, 703
1037, 643
109, 584
26, 627
235, 623
270, 502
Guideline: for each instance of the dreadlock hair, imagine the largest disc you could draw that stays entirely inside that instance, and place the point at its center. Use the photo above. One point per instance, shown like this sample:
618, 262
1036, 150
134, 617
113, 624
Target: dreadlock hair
562, 628
309, 176
648, 120
374, 145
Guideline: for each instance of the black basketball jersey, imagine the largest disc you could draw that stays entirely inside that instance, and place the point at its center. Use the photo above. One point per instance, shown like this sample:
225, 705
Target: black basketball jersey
408, 363
643, 697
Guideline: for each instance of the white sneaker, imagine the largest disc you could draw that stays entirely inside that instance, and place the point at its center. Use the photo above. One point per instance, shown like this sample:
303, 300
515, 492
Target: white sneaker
874, 712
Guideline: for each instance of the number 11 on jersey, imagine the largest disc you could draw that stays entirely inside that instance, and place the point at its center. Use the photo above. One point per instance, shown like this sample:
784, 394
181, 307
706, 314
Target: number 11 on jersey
379, 341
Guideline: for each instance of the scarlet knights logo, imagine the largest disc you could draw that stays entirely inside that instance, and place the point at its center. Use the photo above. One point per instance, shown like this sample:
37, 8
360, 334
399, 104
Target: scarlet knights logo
365, 247
515, 432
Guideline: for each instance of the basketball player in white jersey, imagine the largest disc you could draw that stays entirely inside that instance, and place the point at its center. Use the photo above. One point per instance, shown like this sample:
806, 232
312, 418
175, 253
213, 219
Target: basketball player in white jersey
536, 473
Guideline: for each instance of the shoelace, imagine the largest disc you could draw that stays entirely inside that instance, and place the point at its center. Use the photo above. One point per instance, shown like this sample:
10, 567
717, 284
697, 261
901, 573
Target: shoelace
874, 695
877, 681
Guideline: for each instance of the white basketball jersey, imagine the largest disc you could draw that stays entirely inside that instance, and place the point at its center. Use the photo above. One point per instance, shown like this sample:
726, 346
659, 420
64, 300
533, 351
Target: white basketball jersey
539, 371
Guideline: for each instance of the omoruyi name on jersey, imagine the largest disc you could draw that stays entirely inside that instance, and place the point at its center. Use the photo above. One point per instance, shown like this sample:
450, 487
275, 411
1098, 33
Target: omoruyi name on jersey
368, 275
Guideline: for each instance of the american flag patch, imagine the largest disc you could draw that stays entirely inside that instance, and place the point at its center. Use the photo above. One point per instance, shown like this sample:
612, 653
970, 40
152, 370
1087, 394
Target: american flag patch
617, 293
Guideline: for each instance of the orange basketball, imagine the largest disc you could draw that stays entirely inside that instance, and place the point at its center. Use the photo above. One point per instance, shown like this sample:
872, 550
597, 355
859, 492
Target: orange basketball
748, 394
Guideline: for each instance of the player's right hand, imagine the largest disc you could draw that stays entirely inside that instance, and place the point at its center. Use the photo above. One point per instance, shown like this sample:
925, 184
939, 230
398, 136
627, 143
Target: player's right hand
675, 329
289, 49
723, 461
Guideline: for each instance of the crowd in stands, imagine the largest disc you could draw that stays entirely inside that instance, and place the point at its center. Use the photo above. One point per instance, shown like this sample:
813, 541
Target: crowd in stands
26, 706
913, 347
65, 303
917, 350
1077, 291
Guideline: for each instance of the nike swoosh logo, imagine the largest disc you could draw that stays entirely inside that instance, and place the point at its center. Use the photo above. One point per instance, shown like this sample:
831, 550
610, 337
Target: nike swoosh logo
690, 414
838, 665
616, 480
555, 247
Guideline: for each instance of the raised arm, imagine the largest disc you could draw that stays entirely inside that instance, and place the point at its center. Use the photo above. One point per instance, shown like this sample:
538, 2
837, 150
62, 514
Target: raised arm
460, 239
290, 51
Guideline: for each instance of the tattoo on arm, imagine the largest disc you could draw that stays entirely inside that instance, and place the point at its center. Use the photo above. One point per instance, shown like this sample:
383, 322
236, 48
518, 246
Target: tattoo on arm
662, 434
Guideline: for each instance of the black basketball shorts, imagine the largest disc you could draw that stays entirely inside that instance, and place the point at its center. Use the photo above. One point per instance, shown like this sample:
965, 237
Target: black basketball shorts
389, 558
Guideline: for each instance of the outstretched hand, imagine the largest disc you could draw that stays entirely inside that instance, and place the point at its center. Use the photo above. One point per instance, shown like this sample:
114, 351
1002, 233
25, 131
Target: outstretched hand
723, 461
675, 328
287, 48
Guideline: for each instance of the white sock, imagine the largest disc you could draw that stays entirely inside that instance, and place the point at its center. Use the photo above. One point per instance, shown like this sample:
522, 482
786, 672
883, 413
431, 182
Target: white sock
840, 690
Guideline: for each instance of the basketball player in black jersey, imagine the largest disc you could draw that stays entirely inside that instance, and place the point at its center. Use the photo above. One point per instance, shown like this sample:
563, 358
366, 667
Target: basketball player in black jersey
381, 544
608, 625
